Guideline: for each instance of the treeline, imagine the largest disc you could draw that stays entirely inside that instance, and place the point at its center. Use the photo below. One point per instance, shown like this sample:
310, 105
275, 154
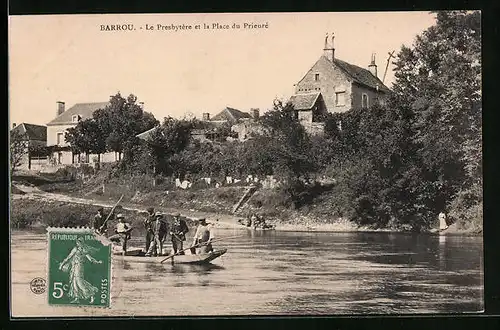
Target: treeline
397, 164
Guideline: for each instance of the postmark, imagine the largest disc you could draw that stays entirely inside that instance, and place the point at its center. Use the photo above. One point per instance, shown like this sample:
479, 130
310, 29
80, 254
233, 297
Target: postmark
79, 269
38, 285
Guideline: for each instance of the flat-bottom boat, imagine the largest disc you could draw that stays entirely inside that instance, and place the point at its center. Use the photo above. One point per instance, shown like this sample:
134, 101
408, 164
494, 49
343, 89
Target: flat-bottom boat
138, 255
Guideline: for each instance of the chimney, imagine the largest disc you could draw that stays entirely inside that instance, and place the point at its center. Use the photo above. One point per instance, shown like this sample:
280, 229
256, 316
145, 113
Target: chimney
60, 108
255, 113
373, 67
206, 116
329, 50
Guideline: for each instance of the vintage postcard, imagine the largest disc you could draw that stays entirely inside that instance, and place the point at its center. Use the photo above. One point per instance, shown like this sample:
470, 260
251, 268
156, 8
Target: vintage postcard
245, 164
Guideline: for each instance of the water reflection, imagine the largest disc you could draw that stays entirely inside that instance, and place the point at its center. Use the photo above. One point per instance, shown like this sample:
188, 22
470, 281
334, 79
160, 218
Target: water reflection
289, 273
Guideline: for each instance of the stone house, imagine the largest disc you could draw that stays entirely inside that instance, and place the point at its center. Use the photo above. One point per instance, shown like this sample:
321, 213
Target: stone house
61, 151
242, 123
35, 137
332, 85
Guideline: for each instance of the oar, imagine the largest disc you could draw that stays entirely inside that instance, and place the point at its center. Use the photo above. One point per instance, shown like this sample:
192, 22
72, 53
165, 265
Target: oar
198, 245
109, 215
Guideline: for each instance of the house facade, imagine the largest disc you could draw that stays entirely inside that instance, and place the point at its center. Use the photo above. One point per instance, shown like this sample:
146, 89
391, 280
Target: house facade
56, 129
332, 85
35, 137
242, 123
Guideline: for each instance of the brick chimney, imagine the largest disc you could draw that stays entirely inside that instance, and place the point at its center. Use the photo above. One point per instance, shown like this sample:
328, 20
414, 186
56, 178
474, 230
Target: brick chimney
60, 108
329, 50
255, 112
206, 116
373, 67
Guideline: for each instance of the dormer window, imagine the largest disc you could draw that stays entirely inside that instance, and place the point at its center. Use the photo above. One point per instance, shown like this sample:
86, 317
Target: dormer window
75, 118
316, 77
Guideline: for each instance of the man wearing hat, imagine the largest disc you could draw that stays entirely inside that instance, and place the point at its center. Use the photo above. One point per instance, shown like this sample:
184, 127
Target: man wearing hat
203, 236
123, 231
178, 233
159, 228
148, 226
98, 220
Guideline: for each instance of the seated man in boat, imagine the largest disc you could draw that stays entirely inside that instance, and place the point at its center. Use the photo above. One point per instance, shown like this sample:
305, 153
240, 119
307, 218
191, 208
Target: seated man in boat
160, 229
203, 237
178, 233
122, 232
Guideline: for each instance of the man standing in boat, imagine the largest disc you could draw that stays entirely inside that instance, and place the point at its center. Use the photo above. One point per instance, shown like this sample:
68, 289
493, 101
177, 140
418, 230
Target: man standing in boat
122, 232
148, 226
160, 229
178, 233
203, 236
98, 221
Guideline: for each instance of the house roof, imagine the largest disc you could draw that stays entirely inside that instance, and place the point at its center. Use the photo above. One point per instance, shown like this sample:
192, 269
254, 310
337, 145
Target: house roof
304, 101
33, 132
231, 114
146, 136
361, 76
85, 110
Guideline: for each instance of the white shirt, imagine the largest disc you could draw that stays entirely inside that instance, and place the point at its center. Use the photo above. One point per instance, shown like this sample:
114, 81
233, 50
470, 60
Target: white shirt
122, 227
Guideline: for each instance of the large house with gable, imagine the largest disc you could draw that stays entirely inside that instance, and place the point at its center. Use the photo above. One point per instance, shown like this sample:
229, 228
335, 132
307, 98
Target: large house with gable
333, 85
35, 139
61, 153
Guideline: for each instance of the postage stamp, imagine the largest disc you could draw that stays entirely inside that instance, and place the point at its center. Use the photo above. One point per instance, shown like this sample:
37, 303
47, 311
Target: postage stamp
79, 269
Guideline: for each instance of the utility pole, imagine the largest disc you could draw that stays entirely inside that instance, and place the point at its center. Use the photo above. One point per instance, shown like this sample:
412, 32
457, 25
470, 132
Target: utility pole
391, 55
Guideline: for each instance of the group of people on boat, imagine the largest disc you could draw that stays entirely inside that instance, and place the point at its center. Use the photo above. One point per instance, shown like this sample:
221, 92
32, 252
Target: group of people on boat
156, 231
255, 221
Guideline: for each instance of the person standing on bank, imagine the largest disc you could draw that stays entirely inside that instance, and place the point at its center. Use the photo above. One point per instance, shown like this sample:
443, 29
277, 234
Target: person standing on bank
204, 235
148, 226
443, 224
178, 233
160, 229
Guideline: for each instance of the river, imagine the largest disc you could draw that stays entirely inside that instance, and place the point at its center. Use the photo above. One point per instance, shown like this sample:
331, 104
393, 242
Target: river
280, 273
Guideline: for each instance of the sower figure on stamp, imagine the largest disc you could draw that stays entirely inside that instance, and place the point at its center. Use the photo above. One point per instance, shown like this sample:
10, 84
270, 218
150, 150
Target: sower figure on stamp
178, 233
160, 229
74, 264
148, 226
204, 235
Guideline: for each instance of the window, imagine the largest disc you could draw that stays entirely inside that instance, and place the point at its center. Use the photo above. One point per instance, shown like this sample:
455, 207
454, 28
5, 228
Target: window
340, 99
364, 101
59, 158
60, 138
75, 118
316, 77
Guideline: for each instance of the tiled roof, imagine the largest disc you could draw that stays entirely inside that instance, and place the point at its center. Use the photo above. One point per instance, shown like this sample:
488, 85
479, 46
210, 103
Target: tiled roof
232, 115
361, 76
85, 110
34, 132
304, 101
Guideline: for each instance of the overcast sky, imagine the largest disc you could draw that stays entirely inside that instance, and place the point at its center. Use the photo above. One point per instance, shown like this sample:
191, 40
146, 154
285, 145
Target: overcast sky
68, 58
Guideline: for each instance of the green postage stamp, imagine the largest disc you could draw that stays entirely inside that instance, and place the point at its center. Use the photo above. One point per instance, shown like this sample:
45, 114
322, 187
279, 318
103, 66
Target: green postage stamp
79, 270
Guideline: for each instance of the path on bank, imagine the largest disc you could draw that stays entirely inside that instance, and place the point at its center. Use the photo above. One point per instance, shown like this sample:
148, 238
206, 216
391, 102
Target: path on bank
32, 192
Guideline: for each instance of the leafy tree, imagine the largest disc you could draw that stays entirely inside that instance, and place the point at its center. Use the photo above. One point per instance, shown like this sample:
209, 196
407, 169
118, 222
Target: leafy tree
439, 77
18, 150
86, 137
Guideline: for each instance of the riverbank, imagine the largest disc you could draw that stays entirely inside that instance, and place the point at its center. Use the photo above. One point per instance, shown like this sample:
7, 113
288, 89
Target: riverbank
34, 207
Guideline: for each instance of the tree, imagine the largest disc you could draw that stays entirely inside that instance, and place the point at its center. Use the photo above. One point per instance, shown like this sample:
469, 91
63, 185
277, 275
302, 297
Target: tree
86, 137
18, 150
439, 78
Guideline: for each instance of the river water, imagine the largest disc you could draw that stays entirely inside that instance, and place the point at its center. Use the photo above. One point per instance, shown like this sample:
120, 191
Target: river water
280, 273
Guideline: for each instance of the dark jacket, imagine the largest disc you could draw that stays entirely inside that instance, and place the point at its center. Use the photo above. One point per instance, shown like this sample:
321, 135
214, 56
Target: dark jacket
179, 229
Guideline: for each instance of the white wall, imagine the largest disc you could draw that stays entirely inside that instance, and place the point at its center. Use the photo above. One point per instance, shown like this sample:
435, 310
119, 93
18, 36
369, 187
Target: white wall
52, 133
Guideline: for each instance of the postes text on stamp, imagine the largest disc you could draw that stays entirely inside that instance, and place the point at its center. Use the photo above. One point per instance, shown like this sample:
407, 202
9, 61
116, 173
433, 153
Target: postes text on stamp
79, 270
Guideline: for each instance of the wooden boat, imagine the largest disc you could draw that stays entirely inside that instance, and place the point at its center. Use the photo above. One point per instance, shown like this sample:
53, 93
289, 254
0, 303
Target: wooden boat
138, 255
260, 229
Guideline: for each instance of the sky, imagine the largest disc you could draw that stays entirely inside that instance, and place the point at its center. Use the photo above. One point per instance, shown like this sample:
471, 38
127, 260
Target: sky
69, 58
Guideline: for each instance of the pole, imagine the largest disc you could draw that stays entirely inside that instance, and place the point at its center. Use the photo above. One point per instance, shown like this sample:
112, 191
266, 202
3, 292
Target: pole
109, 215
198, 245
391, 55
